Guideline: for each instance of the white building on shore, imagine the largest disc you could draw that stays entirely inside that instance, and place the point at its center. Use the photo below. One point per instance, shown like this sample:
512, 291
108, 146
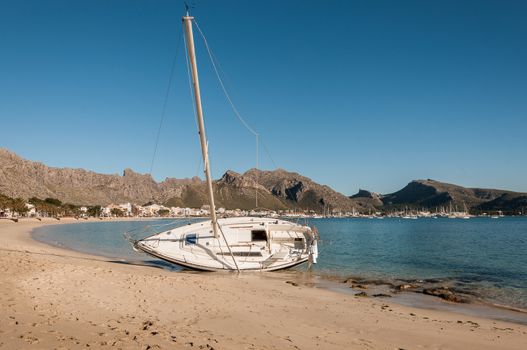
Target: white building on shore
126, 208
31, 210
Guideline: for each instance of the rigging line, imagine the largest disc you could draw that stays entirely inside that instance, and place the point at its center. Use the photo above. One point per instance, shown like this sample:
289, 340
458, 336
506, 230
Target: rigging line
268, 153
242, 120
165, 102
216, 66
229, 247
226, 80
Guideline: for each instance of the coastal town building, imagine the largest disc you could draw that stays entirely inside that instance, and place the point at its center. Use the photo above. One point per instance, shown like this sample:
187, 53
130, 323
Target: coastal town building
126, 208
31, 210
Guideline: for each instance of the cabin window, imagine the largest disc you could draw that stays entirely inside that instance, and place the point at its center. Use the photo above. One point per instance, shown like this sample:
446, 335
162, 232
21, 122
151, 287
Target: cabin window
299, 243
191, 239
258, 235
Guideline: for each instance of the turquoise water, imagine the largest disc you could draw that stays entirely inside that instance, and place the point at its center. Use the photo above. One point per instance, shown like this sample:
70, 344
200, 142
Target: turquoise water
483, 257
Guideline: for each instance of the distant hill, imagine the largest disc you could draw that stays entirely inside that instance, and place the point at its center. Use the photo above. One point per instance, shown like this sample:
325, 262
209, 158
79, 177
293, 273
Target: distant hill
231, 191
368, 199
298, 191
507, 202
278, 190
432, 194
25, 179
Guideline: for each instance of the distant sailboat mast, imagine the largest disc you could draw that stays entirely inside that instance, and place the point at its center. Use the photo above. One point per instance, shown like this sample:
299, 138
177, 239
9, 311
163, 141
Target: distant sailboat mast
187, 20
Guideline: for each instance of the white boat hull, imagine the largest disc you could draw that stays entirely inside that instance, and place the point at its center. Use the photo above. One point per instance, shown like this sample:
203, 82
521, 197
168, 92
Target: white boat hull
256, 244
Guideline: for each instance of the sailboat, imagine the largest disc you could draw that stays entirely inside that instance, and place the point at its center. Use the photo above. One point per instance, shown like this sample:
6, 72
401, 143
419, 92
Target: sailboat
465, 214
229, 244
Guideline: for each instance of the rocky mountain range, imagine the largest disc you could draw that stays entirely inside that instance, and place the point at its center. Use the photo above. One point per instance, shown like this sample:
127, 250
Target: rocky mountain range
277, 189
431, 194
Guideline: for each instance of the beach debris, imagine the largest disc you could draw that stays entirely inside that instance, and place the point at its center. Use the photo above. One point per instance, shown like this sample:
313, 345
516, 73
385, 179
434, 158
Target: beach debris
405, 286
292, 283
359, 286
444, 293
361, 294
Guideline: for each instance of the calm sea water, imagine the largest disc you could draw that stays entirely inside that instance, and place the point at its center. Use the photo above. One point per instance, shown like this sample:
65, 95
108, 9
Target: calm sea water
487, 257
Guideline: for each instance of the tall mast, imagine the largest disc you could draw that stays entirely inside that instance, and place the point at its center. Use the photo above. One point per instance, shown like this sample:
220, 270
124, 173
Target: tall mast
187, 20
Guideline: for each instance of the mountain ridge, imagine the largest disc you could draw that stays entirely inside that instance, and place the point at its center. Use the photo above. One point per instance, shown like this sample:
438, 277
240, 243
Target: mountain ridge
276, 189
432, 194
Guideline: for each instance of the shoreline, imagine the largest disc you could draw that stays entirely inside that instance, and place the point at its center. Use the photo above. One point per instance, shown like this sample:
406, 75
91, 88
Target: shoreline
53, 296
469, 304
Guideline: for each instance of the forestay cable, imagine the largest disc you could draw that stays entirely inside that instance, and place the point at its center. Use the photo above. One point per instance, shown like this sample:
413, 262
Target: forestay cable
165, 102
215, 65
222, 85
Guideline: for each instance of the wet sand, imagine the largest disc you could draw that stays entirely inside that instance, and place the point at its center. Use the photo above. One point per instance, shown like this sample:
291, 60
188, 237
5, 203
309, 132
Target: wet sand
55, 298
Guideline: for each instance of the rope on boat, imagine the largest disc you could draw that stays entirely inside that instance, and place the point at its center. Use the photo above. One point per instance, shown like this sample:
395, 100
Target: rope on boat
128, 234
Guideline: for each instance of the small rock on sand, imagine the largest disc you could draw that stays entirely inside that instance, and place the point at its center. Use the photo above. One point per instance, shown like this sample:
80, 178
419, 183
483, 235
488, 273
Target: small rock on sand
402, 287
443, 293
359, 286
382, 295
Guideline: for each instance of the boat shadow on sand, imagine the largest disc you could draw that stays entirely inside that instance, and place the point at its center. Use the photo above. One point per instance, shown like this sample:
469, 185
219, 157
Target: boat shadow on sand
158, 264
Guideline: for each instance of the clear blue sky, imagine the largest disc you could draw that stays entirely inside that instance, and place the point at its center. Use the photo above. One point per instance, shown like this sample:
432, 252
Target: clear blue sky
368, 94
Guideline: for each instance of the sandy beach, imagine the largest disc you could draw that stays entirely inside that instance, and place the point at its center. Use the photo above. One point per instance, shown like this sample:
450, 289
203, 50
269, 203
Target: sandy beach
52, 298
